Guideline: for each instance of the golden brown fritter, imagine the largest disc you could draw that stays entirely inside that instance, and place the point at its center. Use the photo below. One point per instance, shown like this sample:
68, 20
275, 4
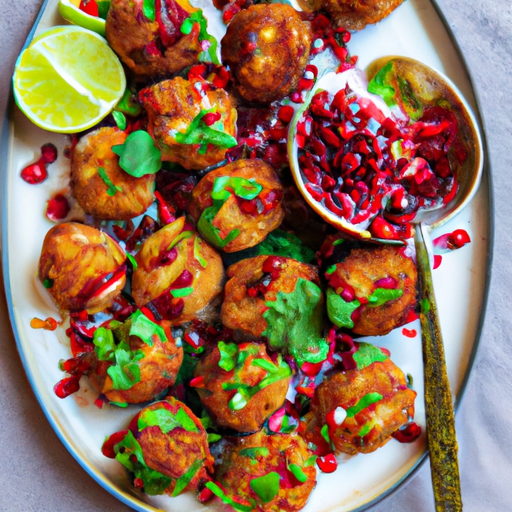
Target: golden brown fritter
158, 370
380, 400
254, 218
354, 14
177, 272
242, 311
230, 370
82, 267
149, 48
173, 452
267, 48
259, 468
91, 158
371, 270
172, 105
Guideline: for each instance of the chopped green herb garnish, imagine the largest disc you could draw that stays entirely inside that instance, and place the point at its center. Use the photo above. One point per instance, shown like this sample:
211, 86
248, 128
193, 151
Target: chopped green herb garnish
339, 310
132, 459
181, 292
112, 189
125, 373
366, 428
325, 433
254, 452
197, 253
182, 236
166, 420
128, 105
226, 499
298, 473
132, 261
363, 403
187, 477
227, 351
48, 283
139, 155
382, 295
186, 28
266, 487
148, 9
120, 119
368, 354
213, 438
145, 328
295, 323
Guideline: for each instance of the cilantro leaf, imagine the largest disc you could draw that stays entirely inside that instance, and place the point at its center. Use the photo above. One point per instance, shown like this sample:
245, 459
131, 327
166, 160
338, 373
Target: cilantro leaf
382, 295
166, 420
148, 9
339, 310
104, 344
138, 155
144, 328
187, 477
363, 403
227, 352
132, 459
295, 322
266, 487
368, 354
126, 372
198, 132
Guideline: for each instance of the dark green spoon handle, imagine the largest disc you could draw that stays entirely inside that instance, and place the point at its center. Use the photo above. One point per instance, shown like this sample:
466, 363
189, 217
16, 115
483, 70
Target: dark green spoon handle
441, 436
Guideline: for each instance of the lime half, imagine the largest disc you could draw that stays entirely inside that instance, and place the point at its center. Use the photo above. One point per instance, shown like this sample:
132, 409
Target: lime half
70, 11
68, 79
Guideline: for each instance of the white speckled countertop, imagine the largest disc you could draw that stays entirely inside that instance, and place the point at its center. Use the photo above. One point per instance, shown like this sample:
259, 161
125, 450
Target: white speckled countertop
37, 472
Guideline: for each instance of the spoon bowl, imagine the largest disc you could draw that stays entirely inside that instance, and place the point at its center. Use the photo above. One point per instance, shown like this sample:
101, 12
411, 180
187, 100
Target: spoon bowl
430, 88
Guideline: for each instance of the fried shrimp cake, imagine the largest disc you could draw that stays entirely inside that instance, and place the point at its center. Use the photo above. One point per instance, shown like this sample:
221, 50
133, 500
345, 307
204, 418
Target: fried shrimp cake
165, 449
156, 361
242, 198
270, 472
255, 281
267, 48
372, 290
363, 406
81, 267
100, 186
192, 122
259, 384
152, 47
177, 273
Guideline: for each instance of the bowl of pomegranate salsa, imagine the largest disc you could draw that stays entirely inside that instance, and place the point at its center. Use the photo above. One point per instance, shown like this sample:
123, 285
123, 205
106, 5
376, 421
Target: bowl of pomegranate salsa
373, 157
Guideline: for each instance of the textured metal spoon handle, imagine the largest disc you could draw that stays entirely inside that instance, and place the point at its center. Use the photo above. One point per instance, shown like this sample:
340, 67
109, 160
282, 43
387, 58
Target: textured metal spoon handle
441, 437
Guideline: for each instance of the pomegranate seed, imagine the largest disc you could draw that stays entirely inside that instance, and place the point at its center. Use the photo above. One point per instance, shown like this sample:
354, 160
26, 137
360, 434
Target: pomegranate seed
48, 153
211, 117
327, 464
286, 113
34, 173
57, 208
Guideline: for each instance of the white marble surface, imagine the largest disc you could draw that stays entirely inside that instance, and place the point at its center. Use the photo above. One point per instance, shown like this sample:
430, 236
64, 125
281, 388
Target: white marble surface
37, 472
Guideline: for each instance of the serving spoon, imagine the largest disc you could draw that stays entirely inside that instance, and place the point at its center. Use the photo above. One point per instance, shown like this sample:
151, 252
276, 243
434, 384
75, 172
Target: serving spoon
430, 87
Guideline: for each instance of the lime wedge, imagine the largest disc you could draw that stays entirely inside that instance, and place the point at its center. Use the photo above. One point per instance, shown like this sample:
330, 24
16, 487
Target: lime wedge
70, 11
68, 79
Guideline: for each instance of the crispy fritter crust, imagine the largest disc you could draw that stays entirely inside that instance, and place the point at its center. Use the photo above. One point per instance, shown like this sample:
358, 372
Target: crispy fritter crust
367, 265
134, 195
154, 275
76, 257
237, 471
253, 228
267, 48
241, 311
345, 388
129, 33
158, 370
216, 399
173, 453
172, 105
